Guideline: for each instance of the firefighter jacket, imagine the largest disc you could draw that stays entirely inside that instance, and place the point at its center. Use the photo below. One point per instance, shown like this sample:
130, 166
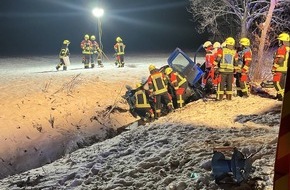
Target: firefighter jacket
95, 46
282, 52
64, 51
176, 80
119, 48
157, 83
86, 46
244, 60
209, 58
141, 97
228, 58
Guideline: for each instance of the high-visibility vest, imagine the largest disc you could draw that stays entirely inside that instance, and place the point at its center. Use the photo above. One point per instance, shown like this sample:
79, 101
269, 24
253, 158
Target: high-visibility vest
181, 80
141, 99
282, 163
283, 67
209, 58
120, 48
244, 60
86, 45
95, 46
64, 51
158, 83
227, 62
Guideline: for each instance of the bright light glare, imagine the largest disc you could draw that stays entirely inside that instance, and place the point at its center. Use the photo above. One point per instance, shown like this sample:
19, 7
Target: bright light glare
98, 12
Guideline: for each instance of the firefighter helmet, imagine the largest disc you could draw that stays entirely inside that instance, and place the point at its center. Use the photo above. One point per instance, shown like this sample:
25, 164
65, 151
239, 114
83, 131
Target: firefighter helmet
66, 42
206, 44
216, 45
245, 42
230, 41
119, 39
151, 67
138, 85
168, 70
93, 37
284, 37
87, 37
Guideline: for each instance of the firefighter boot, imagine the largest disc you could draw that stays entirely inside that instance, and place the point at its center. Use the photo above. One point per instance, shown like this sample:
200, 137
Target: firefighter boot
57, 67
64, 68
92, 65
87, 66
157, 115
100, 63
279, 97
147, 117
220, 97
122, 64
245, 95
170, 108
229, 96
239, 93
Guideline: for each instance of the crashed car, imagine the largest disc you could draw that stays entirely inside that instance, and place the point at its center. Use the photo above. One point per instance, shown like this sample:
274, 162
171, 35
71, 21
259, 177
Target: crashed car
184, 65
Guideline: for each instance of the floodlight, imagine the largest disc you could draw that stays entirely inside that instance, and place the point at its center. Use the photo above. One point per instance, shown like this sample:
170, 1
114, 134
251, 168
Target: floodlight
98, 12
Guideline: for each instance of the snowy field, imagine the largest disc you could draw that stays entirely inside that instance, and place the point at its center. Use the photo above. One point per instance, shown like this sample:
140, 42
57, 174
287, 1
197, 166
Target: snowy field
48, 119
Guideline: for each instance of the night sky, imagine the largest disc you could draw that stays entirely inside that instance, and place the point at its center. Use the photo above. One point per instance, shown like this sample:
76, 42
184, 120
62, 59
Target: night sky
32, 27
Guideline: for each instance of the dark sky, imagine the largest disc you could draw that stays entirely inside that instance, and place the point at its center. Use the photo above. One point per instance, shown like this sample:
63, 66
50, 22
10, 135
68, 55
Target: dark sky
39, 26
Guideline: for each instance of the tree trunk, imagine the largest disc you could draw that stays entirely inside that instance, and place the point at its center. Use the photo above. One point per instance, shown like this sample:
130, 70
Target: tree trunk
244, 29
259, 66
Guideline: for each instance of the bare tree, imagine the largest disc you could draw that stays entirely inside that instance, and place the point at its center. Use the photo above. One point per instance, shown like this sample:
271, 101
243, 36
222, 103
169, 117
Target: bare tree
259, 20
273, 22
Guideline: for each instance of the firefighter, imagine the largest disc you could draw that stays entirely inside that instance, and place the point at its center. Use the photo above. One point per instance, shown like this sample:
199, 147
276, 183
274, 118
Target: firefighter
119, 48
280, 67
96, 53
86, 46
242, 67
179, 83
216, 79
143, 105
224, 64
63, 54
209, 59
158, 90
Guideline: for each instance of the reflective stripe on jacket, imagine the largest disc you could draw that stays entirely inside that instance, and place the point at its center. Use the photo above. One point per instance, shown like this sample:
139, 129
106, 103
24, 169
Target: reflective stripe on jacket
156, 83
86, 46
141, 99
245, 59
227, 61
64, 51
176, 80
282, 52
119, 48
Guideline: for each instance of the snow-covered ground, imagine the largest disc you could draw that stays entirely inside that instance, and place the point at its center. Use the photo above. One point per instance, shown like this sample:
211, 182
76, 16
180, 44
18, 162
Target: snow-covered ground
45, 115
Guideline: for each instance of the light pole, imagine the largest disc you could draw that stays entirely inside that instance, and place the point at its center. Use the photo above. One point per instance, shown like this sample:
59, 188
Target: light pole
99, 12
